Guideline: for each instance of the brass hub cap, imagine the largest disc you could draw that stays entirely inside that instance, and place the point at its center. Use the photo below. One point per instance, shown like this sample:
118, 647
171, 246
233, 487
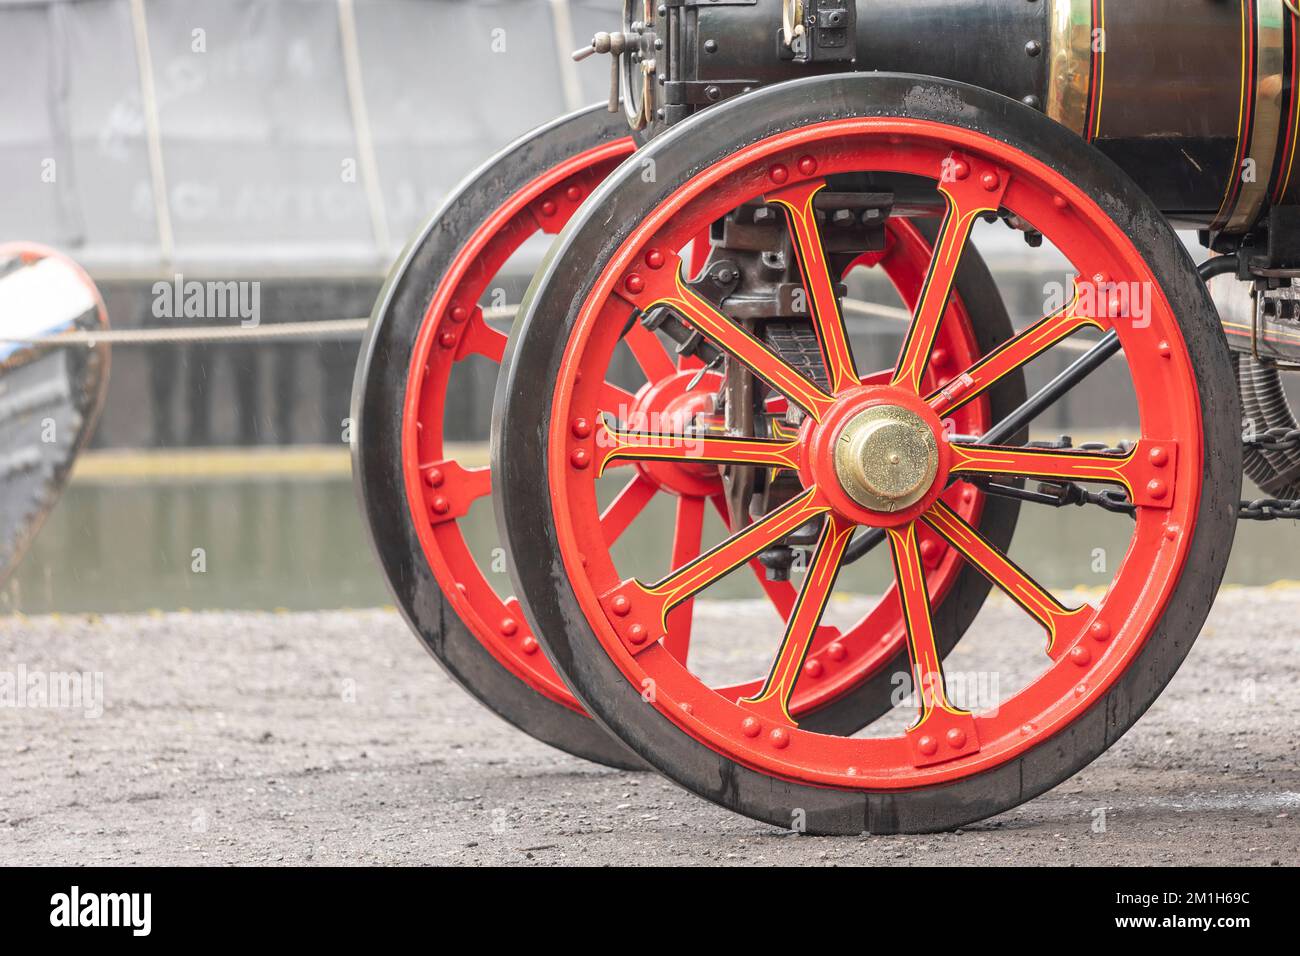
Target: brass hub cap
886, 458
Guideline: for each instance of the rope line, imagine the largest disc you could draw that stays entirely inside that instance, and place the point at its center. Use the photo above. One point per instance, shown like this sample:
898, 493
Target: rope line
345, 328
333, 328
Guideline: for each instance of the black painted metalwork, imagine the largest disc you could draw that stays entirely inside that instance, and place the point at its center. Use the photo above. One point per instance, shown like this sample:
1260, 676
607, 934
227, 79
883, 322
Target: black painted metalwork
1197, 100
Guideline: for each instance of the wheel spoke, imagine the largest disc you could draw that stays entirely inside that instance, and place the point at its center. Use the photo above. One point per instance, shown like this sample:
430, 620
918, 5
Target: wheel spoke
701, 247
451, 489
1146, 471
635, 605
773, 700
688, 533
622, 511
1008, 358
480, 338
967, 199
817, 281
656, 364
1059, 621
737, 549
781, 593
616, 401
666, 287
923, 652
612, 444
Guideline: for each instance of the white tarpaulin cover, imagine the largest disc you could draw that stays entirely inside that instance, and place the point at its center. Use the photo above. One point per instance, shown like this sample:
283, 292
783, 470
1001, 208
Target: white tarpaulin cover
269, 153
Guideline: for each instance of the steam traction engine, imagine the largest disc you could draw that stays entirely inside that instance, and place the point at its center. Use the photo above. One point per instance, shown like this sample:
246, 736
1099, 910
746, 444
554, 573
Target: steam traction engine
684, 352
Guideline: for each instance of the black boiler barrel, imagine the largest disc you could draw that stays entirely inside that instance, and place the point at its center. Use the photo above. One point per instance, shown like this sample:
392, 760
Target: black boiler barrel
1195, 99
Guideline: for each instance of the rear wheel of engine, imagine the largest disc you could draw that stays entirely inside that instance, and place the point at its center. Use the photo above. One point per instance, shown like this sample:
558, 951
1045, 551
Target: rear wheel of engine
872, 459
432, 320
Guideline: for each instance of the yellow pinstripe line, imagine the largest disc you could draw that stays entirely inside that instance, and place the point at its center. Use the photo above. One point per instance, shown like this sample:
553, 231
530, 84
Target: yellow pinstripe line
805, 394
943, 520
654, 448
981, 459
677, 586
1101, 71
1295, 113
1225, 210
953, 237
917, 578
773, 685
1048, 345
802, 222
1279, 334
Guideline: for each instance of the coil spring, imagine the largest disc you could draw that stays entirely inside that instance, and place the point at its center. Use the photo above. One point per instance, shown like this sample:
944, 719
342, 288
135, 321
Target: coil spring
1265, 406
797, 344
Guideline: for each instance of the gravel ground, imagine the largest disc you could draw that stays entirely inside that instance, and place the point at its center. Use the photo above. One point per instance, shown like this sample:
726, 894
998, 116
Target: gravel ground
331, 738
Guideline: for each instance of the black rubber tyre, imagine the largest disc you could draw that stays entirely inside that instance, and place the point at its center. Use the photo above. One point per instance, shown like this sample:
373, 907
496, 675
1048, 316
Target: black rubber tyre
528, 523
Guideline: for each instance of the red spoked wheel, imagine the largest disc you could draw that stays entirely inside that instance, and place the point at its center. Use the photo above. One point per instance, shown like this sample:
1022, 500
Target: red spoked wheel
430, 322
873, 459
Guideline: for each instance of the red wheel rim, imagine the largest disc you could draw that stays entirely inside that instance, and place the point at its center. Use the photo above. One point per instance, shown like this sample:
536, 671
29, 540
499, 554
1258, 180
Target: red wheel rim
441, 490
1087, 647
438, 489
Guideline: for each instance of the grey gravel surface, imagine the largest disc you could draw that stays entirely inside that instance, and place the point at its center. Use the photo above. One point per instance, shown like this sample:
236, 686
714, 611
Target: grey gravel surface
331, 738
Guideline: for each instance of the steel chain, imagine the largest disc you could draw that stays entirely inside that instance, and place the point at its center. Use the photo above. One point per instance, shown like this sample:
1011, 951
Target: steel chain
1274, 439
1269, 509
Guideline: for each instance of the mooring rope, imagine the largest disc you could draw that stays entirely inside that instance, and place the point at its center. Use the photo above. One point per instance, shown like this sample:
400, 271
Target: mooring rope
342, 329
333, 328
